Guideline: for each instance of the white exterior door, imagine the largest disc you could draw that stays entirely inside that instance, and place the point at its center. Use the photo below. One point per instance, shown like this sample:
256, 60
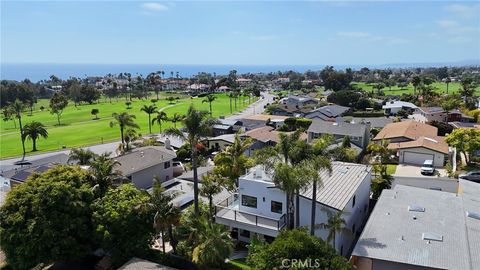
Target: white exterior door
416, 158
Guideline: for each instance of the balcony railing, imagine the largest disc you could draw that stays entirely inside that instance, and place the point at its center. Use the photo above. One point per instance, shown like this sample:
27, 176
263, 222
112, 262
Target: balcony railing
228, 209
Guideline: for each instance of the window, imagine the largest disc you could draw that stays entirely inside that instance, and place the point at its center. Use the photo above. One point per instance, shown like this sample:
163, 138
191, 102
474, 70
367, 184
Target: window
353, 201
245, 233
276, 207
166, 165
249, 201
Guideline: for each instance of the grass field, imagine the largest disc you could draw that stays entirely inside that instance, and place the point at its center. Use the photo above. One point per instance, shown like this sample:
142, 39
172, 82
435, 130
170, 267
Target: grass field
441, 88
80, 129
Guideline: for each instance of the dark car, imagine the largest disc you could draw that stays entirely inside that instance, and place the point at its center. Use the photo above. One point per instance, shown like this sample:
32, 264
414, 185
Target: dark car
471, 176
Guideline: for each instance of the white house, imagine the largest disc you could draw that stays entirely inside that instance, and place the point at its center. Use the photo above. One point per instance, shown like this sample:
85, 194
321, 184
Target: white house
393, 107
259, 206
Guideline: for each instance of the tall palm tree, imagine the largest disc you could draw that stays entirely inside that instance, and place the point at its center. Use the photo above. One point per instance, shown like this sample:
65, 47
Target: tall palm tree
232, 162
211, 185
335, 224
161, 117
149, 110
197, 125
311, 170
176, 118
83, 156
214, 244
17, 108
448, 81
130, 136
209, 98
230, 96
166, 214
285, 177
124, 120
33, 131
416, 81
104, 174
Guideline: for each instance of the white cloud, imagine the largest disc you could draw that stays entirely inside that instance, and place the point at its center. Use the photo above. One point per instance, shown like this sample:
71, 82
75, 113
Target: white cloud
466, 11
264, 37
152, 6
354, 34
447, 23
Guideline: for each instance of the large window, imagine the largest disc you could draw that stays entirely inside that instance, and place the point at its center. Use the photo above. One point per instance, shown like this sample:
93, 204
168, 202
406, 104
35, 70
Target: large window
276, 207
249, 201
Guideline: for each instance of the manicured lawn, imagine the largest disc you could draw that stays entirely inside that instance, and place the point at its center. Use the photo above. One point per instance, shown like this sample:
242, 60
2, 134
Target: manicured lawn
391, 169
442, 88
80, 129
239, 264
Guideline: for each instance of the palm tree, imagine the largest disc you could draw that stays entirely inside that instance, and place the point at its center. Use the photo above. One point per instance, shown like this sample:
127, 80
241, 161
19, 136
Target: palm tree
448, 81
232, 162
130, 136
230, 96
124, 120
311, 170
17, 108
149, 110
161, 117
334, 225
211, 185
176, 118
209, 98
84, 156
197, 125
33, 131
214, 244
166, 214
104, 174
285, 177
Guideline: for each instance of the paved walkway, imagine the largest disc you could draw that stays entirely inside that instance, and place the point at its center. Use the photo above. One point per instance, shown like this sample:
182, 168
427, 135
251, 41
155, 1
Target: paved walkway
255, 108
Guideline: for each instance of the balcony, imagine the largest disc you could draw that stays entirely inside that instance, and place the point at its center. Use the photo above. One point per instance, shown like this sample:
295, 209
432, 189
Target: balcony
227, 212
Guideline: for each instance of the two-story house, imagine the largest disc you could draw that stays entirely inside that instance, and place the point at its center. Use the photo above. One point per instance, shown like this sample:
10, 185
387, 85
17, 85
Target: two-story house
259, 206
145, 163
359, 133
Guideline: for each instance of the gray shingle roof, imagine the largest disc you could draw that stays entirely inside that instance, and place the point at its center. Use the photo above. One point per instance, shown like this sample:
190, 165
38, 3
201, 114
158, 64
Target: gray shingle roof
329, 111
337, 128
143, 158
393, 233
339, 187
140, 264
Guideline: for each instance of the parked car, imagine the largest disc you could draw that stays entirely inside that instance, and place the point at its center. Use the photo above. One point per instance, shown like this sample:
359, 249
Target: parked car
471, 176
427, 167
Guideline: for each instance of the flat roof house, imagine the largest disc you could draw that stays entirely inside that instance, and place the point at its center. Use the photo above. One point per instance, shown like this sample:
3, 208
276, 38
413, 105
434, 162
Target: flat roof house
359, 133
145, 163
259, 206
414, 228
393, 107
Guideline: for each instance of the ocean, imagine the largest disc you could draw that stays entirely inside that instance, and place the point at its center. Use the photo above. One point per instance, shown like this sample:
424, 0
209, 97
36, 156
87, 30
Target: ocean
37, 72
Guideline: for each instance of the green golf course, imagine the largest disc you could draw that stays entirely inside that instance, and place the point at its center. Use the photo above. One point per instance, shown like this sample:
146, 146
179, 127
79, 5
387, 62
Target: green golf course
80, 128
395, 90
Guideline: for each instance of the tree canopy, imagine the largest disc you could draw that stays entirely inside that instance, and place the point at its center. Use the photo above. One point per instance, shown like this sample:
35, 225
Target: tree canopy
47, 218
294, 244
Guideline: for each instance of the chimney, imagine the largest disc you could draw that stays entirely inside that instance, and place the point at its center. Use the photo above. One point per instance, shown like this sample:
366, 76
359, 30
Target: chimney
167, 144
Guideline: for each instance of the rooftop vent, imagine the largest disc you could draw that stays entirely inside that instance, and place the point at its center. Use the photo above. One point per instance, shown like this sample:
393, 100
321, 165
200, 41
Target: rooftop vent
432, 236
416, 208
473, 214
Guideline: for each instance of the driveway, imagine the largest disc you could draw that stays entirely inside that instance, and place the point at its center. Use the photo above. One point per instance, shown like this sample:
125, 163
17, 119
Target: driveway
414, 171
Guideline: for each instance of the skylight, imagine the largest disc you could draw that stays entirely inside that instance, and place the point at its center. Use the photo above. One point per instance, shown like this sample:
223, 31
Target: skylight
416, 208
432, 236
473, 214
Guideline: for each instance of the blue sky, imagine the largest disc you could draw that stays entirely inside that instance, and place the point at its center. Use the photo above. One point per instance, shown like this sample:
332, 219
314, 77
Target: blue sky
241, 33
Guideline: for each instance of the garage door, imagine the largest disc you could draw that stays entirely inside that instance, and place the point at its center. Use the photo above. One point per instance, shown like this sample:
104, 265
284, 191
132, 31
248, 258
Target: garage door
415, 158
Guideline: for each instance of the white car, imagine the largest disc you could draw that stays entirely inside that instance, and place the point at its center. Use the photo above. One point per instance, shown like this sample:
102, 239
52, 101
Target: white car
427, 167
